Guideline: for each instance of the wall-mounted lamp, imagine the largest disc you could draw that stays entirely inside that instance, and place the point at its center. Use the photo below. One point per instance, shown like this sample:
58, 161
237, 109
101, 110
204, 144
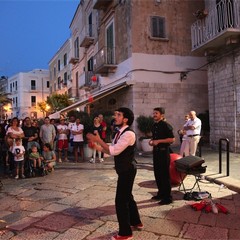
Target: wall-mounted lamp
183, 76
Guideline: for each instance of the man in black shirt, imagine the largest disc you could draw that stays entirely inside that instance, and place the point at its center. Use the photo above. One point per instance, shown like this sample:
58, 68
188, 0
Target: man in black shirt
30, 133
162, 137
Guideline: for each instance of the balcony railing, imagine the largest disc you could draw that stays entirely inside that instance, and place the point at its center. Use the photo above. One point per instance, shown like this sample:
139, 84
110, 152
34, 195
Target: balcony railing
87, 36
104, 61
88, 80
221, 22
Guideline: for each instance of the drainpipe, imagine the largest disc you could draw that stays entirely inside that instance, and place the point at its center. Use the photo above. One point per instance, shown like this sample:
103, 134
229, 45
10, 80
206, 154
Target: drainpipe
234, 101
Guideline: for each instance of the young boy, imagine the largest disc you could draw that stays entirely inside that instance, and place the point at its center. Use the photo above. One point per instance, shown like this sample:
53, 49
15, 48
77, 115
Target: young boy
18, 151
35, 157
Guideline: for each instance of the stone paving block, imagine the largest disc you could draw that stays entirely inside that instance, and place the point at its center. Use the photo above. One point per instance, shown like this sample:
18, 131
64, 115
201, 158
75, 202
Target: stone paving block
183, 214
162, 226
27, 193
57, 222
152, 209
40, 214
230, 221
49, 195
89, 225
15, 216
143, 235
6, 234
22, 224
164, 237
104, 232
55, 207
7, 202
234, 234
27, 205
208, 219
4, 213
194, 231
35, 234
73, 234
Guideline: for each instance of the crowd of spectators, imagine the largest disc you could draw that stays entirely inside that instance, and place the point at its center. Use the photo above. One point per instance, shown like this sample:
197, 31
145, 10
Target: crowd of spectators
26, 144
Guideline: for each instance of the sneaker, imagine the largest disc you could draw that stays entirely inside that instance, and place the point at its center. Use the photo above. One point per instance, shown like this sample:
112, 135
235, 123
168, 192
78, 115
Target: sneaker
92, 160
101, 160
117, 237
16, 177
23, 176
137, 227
60, 160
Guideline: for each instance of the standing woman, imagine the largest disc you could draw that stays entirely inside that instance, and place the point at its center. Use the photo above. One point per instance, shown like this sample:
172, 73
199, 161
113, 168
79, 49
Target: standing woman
13, 132
97, 130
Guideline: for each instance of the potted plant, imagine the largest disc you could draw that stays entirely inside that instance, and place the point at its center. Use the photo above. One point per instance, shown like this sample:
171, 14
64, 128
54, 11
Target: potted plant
144, 124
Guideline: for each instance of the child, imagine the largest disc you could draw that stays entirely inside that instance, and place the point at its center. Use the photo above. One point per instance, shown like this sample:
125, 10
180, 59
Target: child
18, 151
49, 157
35, 157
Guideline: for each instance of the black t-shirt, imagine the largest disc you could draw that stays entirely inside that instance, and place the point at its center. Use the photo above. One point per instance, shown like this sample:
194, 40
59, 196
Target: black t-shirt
29, 132
162, 130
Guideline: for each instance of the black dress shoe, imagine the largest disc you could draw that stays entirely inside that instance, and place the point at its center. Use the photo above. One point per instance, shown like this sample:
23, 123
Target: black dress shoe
165, 202
157, 198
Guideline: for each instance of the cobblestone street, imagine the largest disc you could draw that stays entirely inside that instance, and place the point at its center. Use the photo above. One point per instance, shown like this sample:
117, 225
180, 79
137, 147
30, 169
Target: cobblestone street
76, 201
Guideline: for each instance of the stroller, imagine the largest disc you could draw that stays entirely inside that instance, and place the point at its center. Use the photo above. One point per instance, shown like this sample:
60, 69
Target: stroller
30, 171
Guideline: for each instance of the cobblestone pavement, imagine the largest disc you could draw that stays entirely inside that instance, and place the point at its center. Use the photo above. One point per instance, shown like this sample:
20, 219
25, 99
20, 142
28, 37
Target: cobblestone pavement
76, 202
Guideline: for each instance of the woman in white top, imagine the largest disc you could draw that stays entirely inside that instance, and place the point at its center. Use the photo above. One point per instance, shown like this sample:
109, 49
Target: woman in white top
14, 131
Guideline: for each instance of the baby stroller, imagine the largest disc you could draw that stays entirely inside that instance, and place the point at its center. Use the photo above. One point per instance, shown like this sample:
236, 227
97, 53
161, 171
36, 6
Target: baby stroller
30, 171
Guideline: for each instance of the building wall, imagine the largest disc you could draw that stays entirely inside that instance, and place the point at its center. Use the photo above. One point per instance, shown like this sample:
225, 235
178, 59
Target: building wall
55, 73
179, 17
23, 93
224, 99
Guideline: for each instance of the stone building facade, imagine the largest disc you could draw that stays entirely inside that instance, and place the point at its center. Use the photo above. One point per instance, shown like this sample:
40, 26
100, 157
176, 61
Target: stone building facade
217, 36
140, 53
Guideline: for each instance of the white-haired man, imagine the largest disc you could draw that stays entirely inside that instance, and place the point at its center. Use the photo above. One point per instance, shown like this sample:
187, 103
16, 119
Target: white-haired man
193, 131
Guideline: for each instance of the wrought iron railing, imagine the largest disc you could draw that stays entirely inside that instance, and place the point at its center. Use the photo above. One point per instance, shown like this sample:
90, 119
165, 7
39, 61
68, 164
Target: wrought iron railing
105, 56
225, 15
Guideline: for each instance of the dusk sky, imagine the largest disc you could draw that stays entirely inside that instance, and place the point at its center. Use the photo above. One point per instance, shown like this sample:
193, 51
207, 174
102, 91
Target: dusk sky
31, 32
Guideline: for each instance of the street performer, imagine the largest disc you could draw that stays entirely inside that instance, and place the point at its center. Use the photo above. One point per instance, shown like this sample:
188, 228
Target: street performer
122, 149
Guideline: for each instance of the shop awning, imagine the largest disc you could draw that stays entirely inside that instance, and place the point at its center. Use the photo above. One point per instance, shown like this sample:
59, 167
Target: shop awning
103, 92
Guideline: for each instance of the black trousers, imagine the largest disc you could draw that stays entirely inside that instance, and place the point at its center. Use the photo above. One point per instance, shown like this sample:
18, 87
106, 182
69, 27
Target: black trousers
126, 207
161, 165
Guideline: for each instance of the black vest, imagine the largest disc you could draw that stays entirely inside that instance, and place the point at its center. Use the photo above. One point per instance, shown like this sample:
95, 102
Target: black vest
125, 161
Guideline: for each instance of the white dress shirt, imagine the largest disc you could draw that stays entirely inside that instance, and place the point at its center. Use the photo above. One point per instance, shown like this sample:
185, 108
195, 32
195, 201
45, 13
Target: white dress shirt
128, 138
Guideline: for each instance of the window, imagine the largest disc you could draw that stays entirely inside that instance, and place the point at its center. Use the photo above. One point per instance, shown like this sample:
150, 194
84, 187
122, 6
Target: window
158, 27
33, 85
65, 78
110, 44
65, 59
59, 82
33, 101
54, 72
48, 84
10, 87
59, 65
76, 48
90, 64
16, 101
16, 85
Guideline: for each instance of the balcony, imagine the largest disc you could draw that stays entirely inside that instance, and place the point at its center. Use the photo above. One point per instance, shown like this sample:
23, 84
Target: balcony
221, 27
87, 36
102, 4
88, 80
104, 61
74, 60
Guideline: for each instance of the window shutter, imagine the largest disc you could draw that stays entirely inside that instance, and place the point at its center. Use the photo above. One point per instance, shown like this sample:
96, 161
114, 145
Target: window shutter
158, 27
